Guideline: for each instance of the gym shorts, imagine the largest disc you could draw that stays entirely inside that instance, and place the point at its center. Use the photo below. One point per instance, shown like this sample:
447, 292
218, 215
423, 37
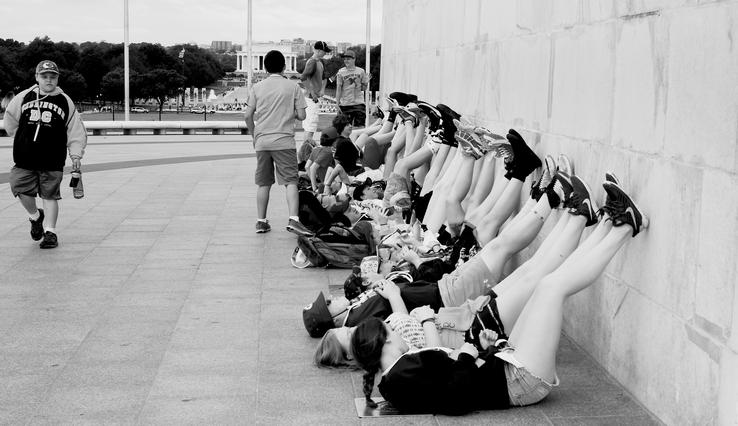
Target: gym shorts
310, 123
470, 280
355, 113
285, 163
524, 387
44, 183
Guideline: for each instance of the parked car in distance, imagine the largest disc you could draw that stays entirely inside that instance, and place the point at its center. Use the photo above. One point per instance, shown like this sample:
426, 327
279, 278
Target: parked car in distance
197, 110
106, 108
139, 109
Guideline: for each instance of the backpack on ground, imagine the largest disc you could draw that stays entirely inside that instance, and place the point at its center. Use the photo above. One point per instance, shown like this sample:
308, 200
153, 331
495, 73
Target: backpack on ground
338, 247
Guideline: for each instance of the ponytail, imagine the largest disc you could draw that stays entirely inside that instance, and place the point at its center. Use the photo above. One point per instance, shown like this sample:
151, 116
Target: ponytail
366, 345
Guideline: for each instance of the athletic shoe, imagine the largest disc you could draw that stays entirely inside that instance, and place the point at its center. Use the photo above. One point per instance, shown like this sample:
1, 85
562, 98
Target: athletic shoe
406, 114
468, 144
298, 228
624, 210
565, 164
262, 227
402, 99
581, 201
610, 177
49, 241
434, 115
37, 226
525, 160
559, 190
538, 188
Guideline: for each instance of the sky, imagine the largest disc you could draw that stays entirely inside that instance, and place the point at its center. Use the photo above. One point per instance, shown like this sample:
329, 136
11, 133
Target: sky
170, 22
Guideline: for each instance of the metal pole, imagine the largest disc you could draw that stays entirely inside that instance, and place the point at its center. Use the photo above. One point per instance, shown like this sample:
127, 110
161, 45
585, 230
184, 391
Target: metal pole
367, 93
250, 47
126, 70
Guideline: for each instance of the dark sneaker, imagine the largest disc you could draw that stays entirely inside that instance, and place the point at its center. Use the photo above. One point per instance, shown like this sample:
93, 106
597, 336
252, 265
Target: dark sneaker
402, 99
581, 201
622, 209
37, 226
49, 241
525, 160
434, 115
262, 227
609, 177
298, 228
559, 190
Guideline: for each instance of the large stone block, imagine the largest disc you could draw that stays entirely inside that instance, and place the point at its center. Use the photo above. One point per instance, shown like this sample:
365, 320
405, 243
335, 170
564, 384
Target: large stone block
727, 408
716, 270
653, 356
703, 86
583, 82
660, 262
640, 75
640, 7
524, 81
497, 20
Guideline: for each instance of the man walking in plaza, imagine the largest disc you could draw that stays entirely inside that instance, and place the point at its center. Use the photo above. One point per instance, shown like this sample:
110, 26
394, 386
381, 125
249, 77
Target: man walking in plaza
271, 109
45, 125
351, 81
314, 85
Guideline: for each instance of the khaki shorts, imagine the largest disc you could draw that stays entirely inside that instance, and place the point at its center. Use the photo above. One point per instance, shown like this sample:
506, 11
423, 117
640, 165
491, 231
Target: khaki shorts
310, 123
470, 280
44, 183
285, 163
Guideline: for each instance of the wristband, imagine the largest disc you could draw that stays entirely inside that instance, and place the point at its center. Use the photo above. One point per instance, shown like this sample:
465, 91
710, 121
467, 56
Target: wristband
426, 320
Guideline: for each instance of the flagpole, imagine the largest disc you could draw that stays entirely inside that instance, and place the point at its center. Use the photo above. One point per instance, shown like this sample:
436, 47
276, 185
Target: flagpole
126, 70
367, 93
249, 46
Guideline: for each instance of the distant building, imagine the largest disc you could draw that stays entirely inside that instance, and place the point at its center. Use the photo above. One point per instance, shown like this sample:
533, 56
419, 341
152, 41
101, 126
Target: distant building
342, 47
221, 46
259, 50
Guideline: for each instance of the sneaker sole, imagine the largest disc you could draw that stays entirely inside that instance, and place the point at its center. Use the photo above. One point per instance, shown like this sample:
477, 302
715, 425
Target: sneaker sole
592, 205
610, 177
298, 233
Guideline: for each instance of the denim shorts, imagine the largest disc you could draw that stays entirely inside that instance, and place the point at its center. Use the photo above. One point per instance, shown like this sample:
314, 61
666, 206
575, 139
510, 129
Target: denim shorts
524, 387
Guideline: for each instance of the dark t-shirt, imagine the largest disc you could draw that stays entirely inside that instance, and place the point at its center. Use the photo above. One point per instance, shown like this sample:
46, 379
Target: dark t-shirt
346, 154
414, 294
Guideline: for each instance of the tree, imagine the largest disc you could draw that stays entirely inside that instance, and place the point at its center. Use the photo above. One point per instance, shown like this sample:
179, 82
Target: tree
160, 85
73, 84
111, 85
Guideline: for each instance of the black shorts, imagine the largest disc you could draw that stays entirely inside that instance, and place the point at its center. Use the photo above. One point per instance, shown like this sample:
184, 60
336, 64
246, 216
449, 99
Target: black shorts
44, 183
355, 113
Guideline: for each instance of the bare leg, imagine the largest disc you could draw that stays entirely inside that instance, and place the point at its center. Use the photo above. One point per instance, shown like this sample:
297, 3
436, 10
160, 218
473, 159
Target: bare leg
398, 143
28, 203
497, 252
51, 213
435, 168
490, 224
483, 184
536, 334
436, 212
459, 190
475, 216
262, 201
405, 165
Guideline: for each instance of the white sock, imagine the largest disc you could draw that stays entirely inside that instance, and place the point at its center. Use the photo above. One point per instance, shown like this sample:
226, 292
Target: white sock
50, 230
35, 216
262, 220
295, 218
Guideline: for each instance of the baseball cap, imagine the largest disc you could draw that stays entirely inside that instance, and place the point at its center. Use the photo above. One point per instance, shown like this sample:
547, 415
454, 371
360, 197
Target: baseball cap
322, 46
328, 136
47, 66
317, 318
348, 54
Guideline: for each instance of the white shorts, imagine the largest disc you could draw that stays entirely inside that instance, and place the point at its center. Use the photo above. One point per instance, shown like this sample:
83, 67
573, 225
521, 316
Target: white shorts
310, 123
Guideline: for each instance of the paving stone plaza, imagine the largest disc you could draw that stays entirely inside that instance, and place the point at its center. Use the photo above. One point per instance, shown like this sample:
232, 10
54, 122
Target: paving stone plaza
162, 306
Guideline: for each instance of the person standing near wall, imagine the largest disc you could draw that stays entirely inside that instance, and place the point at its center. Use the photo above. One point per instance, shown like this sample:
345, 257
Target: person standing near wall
351, 81
45, 125
271, 109
314, 86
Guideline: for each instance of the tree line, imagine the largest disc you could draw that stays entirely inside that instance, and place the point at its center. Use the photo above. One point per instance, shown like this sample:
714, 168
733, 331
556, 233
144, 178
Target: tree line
93, 71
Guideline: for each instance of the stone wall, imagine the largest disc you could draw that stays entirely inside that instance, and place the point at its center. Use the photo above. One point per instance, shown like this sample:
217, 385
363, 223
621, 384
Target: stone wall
649, 90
